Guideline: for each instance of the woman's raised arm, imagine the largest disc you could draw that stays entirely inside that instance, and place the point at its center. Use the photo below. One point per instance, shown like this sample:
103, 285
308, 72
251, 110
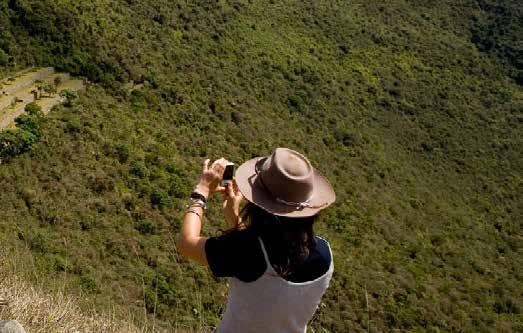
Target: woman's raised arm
190, 243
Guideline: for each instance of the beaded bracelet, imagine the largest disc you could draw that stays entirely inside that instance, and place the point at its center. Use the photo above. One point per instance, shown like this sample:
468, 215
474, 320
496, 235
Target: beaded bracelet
197, 203
192, 210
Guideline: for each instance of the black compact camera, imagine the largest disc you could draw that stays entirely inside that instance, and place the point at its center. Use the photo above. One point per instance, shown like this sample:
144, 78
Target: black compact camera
228, 174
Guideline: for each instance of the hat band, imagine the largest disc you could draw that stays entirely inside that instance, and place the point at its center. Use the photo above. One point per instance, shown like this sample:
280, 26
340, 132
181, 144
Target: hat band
297, 205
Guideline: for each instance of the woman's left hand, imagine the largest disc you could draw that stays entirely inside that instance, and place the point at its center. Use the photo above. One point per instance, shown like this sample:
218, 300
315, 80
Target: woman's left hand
211, 177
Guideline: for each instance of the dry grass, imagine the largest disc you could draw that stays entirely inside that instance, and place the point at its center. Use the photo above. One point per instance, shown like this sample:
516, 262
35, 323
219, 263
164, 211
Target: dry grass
39, 311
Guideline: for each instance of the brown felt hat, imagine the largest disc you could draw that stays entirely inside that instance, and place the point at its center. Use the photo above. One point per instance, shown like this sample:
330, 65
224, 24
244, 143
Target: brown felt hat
285, 184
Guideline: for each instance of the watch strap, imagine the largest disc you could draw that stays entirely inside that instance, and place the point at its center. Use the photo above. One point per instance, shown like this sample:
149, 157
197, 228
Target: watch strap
198, 195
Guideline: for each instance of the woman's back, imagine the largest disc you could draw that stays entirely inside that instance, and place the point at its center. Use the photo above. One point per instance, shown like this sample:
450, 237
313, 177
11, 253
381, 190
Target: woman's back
277, 269
273, 304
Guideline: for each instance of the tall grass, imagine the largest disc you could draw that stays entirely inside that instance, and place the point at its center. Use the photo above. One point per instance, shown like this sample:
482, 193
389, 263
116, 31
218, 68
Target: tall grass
39, 311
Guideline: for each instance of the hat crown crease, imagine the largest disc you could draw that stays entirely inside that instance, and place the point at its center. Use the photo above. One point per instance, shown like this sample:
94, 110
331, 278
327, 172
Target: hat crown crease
285, 188
289, 176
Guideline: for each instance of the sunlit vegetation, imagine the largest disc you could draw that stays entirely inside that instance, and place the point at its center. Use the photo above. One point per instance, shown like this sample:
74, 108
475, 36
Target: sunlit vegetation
27, 133
412, 110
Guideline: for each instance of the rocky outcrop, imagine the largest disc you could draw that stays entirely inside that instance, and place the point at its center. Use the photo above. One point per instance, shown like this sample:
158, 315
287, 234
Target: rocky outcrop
11, 326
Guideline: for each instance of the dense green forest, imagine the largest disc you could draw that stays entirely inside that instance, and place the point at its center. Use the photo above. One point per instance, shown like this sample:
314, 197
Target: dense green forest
412, 109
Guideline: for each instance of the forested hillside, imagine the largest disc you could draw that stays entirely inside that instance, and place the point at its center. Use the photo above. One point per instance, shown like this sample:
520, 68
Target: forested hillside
412, 109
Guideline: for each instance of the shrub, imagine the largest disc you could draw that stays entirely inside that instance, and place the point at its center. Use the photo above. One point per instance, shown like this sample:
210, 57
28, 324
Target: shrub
138, 101
177, 187
100, 183
138, 169
296, 103
122, 151
169, 94
347, 139
159, 198
161, 292
44, 86
73, 127
47, 215
88, 284
31, 120
34, 109
4, 58
16, 142
145, 227
28, 123
506, 306
172, 168
39, 242
57, 81
60, 263
70, 96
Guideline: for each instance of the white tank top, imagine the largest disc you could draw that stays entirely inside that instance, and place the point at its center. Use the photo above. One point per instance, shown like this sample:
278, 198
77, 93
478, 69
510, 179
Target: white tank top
272, 304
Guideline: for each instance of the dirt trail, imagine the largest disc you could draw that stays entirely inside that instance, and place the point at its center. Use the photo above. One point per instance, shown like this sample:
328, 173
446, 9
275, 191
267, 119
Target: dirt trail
21, 90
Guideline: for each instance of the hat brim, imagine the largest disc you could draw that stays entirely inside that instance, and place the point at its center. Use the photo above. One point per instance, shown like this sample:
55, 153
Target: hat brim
252, 189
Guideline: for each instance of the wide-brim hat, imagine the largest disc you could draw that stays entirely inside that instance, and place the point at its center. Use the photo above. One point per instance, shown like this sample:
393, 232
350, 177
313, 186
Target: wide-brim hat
285, 184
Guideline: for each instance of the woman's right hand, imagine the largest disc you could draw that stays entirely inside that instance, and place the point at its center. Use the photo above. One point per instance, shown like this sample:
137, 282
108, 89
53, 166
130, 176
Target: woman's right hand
232, 198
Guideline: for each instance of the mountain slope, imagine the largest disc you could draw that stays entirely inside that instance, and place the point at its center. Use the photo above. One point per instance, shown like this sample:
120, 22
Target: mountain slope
417, 127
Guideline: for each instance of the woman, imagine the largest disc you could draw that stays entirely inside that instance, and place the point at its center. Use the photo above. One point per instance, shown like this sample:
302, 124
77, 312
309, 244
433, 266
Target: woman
278, 269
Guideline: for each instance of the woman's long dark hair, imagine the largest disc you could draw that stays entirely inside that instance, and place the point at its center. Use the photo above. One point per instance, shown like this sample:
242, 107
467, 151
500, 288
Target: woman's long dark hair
288, 241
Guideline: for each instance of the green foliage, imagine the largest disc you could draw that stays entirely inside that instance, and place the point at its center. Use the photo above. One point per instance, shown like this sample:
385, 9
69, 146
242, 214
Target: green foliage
60, 263
411, 109
70, 96
28, 132
31, 121
178, 186
296, 103
138, 101
123, 151
145, 227
45, 87
497, 32
88, 284
39, 242
4, 58
33, 110
27, 123
159, 198
138, 169
16, 142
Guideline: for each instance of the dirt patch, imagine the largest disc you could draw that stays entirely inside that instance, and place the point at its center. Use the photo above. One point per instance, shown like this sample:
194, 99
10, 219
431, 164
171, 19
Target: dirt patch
42, 86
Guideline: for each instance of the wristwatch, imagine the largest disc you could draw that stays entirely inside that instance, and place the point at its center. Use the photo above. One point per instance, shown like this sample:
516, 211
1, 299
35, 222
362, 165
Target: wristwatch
197, 202
198, 195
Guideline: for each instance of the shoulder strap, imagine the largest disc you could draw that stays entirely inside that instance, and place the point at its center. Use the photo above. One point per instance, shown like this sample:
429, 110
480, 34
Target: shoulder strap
265, 255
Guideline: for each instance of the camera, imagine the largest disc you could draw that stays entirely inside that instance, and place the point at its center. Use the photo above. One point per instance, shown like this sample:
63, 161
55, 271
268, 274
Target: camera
228, 174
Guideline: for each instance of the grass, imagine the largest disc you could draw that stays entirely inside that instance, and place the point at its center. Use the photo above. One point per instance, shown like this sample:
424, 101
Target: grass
415, 122
41, 312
